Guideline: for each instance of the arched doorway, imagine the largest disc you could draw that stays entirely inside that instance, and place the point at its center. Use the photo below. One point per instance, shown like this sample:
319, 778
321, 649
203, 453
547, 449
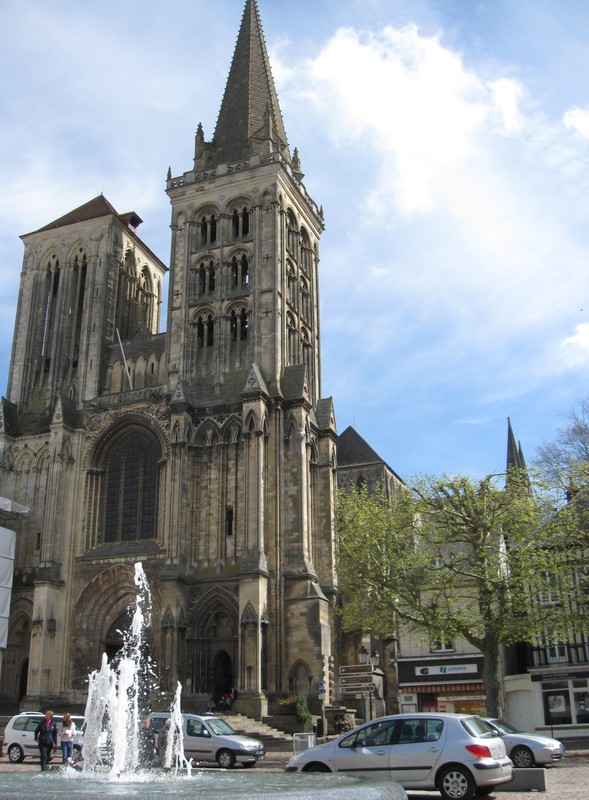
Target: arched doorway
24, 678
222, 675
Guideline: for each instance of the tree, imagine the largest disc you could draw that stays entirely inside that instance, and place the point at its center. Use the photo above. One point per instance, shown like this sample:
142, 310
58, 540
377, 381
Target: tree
456, 557
565, 461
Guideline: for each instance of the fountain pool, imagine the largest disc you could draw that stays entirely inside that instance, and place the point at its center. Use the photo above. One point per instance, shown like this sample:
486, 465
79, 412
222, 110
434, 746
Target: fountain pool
116, 702
200, 785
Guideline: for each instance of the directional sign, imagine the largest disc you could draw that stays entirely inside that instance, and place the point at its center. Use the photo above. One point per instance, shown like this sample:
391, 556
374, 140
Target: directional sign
354, 680
353, 669
365, 687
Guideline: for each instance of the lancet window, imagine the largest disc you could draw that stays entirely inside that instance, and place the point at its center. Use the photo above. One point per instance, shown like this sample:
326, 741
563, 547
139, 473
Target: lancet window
240, 222
50, 311
306, 256
239, 271
238, 323
292, 234
206, 277
208, 229
205, 330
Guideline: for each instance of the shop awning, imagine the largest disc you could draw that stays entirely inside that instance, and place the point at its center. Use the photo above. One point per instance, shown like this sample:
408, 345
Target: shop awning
446, 688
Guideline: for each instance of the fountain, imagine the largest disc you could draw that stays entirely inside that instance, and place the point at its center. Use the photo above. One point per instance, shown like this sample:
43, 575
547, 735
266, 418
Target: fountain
117, 700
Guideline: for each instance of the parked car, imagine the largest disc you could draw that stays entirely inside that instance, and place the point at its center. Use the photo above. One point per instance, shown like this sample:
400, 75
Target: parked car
209, 738
19, 734
527, 749
457, 754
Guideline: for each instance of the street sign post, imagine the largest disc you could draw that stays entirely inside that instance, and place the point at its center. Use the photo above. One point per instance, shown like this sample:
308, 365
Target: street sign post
358, 689
353, 669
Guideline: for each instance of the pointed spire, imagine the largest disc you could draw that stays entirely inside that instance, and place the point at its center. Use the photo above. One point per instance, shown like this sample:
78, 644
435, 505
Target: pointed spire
250, 102
513, 461
516, 463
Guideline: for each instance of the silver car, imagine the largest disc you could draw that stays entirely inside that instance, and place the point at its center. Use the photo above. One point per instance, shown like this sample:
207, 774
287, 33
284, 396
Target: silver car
209, 738
527, 749
457, 754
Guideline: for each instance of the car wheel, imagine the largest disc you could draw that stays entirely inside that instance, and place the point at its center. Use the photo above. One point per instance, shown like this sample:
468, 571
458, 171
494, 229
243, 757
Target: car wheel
15, 754
225, 759
522, 757
316, 767
455, 783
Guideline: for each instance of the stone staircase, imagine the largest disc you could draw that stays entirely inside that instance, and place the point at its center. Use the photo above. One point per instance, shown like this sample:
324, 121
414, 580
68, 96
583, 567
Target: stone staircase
257, 729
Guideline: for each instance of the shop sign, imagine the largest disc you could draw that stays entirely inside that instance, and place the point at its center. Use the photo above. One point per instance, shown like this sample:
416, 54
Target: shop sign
453, 698
446, 669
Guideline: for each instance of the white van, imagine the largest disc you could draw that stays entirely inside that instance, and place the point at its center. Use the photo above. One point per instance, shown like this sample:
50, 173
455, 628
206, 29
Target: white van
209, 738
19, 735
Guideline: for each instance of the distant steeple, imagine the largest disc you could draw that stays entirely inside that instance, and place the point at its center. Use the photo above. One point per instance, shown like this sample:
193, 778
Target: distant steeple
515, 457
249, 114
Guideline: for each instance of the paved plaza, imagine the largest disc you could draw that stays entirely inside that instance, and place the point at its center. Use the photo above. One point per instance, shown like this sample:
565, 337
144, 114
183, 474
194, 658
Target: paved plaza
567, 781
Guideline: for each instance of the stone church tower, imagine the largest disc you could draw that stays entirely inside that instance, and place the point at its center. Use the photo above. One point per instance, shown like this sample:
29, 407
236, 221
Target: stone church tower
206, 452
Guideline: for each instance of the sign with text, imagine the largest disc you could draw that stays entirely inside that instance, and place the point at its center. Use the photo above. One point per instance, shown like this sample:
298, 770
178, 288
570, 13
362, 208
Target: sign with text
354, 669
365, 687
354, 680
445, 669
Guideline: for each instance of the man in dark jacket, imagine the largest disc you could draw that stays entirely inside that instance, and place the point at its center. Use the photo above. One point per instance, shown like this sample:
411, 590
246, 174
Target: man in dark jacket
46, 738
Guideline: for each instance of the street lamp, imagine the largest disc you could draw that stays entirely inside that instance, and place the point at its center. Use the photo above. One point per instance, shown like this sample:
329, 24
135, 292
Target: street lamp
372, 660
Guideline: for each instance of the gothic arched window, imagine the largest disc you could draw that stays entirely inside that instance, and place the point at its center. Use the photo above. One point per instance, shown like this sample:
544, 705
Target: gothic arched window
240, 222
208, 229
130, 488
205, 330
238, 325
239, 271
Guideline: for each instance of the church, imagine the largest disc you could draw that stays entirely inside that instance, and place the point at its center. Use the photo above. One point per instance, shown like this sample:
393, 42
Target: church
206, 452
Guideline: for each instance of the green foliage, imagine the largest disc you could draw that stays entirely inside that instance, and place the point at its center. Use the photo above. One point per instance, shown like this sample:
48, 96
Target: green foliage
298, 706
456, 557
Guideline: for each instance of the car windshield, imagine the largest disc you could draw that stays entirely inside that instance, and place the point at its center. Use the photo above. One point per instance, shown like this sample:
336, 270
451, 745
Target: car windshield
220, 727
477, 728
503, 726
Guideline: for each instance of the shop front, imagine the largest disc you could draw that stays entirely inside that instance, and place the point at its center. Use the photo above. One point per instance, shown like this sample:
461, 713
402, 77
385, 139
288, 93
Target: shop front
563, 702
437, 687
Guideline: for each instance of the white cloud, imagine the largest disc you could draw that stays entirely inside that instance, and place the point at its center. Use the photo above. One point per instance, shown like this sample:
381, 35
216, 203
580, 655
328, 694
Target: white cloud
506, 96
575, 348
578, 120
467, 188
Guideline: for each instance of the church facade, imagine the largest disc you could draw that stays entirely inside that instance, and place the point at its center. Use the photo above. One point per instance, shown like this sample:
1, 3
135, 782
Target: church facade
206, 453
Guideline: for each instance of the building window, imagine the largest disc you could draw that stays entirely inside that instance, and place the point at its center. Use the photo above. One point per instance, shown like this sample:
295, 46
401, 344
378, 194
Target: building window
208, 229
238, 325
206, 277
229, 521
131, 489
442, 644
240, 222
557, 703
205, 331
239, 271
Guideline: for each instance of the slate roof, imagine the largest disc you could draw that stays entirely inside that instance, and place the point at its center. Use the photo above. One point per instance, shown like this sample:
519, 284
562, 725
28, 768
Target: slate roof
249, 93
353, 449
93, 209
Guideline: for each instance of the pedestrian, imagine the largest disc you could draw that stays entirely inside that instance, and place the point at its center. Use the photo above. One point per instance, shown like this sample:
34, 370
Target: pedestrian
147, 750
230, 698
46, 738
67, 733
165, 752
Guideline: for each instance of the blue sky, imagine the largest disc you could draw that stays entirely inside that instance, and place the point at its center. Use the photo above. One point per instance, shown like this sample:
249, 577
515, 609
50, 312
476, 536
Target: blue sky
447, 141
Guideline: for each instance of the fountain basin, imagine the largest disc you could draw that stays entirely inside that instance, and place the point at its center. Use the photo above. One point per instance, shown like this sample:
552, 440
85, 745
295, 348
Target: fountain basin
200, 784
